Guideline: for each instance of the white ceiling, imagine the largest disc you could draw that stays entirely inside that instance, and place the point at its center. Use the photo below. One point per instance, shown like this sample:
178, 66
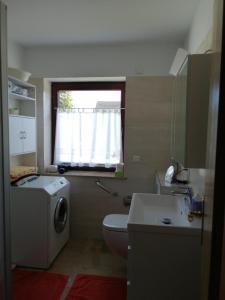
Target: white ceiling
49, 22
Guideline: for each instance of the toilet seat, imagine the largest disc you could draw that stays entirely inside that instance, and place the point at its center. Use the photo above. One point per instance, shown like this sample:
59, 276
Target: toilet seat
115, 222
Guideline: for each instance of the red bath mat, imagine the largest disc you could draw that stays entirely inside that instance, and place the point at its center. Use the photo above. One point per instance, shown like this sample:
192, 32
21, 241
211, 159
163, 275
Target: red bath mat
35, 285
93, 287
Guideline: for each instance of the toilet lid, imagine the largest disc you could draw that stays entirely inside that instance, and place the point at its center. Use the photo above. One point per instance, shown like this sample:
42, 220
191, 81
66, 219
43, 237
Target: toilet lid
115, 222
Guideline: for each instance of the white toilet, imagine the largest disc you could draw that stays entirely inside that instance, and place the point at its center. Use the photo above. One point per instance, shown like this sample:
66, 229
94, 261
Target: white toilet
115, 233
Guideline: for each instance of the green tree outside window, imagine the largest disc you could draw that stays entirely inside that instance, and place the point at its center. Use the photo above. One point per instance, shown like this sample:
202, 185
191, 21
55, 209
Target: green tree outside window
65, 100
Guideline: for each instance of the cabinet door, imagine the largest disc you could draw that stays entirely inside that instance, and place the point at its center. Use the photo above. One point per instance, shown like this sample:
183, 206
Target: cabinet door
15, 135
29, 140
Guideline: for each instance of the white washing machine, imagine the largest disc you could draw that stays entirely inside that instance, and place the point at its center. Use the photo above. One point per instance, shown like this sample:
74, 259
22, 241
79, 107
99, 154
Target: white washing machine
39, 220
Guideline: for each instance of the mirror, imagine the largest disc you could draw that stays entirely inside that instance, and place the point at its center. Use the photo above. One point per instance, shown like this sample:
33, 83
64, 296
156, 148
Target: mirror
190, 111
179, 115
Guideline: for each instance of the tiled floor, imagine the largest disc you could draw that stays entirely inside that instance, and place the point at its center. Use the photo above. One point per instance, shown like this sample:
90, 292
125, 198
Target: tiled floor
88, 257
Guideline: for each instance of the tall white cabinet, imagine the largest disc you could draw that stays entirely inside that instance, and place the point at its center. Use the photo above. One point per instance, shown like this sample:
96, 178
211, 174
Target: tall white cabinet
190, 111
22, 123
22, 134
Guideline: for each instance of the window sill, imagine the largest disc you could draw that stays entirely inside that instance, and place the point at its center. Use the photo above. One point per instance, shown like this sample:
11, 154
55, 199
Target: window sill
86, 174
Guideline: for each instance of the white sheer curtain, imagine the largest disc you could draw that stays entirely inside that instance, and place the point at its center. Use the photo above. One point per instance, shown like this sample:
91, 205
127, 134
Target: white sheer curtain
88, 137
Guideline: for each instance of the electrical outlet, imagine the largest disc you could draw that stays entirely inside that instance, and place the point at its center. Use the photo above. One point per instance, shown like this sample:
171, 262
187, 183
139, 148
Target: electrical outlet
136, 158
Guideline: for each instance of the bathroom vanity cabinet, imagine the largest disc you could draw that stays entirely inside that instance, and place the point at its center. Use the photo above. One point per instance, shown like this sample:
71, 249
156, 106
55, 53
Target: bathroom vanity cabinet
162, 266
164, 259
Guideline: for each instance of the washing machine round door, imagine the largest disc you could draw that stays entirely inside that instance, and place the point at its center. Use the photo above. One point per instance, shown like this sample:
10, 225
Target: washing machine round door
61, 213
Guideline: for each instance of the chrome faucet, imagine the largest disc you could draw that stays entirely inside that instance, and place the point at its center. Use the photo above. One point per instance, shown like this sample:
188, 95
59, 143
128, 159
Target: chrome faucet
187, 192
195, 207
183, 190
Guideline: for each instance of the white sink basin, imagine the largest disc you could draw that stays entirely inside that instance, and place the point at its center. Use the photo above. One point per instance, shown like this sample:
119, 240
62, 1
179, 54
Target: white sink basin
153, 212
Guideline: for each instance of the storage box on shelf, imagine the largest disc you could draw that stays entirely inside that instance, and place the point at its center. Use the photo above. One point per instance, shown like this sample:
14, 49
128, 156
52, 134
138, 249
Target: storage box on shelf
22, 98
22, 124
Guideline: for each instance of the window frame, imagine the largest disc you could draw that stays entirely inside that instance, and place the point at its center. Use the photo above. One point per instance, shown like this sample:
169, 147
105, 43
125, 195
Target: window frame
85, 86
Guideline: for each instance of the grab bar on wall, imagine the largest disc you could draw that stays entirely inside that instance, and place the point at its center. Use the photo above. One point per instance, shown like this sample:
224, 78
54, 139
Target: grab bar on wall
104, 188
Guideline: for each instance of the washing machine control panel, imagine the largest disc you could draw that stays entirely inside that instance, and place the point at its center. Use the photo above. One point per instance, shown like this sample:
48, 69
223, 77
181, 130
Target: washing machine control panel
56, 185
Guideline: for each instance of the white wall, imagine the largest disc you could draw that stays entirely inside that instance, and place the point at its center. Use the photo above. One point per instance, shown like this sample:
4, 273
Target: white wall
15, 55
201, 27
105, 60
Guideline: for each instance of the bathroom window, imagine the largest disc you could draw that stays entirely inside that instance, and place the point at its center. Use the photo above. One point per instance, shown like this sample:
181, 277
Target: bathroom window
88, 124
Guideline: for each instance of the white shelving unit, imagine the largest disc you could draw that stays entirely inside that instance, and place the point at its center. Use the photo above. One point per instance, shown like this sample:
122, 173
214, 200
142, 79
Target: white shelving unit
22, 123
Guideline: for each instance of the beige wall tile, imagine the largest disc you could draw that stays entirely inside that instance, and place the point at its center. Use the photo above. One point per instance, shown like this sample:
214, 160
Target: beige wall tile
147, 134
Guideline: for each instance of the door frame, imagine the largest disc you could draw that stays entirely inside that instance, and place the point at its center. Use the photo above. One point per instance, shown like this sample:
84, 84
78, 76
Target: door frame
217, 269
5, 264
214, 230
